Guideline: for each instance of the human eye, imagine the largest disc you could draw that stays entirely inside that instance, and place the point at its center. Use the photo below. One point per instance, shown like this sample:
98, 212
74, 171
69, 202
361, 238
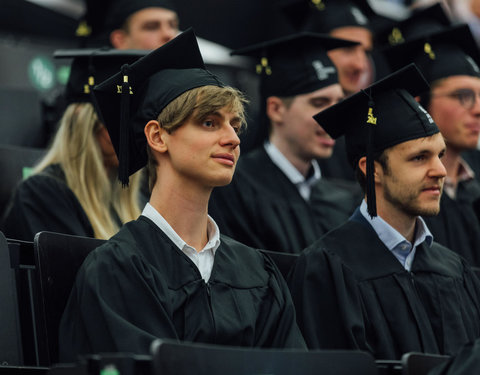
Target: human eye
208, 123
464, 95
419, 157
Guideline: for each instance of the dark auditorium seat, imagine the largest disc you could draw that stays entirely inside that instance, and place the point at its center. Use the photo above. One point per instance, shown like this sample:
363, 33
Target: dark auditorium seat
14, 162
171, 357
421, 363
57, 259
10, 334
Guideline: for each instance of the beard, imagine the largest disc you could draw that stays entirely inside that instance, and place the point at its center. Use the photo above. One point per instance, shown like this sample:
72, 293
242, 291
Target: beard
408, 200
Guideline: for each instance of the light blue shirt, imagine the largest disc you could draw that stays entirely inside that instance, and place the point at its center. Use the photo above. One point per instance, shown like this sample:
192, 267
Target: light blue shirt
403, 250
203, 259
303, 185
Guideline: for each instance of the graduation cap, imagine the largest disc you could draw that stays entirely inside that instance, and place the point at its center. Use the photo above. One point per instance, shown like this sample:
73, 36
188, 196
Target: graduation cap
421, 22
439, 55
325, 15
295, 64
104, 16
92, 66
139, 93
120, 10
379, 117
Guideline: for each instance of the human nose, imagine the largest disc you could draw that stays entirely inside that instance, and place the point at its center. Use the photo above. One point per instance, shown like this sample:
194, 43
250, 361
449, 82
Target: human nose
230, 137
359, 59
438, 170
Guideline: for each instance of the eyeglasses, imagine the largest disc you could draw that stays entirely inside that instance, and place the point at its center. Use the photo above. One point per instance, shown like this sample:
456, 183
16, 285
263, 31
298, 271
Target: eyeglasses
466, 97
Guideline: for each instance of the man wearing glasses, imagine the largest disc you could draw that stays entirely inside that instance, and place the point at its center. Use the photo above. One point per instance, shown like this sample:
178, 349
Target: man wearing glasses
449, 62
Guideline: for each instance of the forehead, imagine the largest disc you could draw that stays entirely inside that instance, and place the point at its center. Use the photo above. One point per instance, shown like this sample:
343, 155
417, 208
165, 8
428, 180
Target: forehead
355, 33
456, 82
333, 91
433, 144
152, 14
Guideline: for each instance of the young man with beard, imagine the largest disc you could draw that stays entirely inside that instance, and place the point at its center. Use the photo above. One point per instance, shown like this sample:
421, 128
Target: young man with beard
379, 282
278, 199
451, 68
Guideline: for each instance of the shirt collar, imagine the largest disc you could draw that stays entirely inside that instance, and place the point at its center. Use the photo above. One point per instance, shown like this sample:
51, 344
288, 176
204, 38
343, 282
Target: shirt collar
212, 230
288, 168
390, 236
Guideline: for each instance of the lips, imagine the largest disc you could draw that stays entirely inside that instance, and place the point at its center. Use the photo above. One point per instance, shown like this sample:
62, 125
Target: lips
225, 158
433, 189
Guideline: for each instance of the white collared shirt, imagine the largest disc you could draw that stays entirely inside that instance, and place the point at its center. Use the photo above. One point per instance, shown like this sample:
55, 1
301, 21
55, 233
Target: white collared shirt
303, 185
402, 249
203, 259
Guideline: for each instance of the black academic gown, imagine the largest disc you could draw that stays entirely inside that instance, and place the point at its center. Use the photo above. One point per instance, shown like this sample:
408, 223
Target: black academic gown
350, 292
44, 202
263, 209
139, 286
457, 225
465, 362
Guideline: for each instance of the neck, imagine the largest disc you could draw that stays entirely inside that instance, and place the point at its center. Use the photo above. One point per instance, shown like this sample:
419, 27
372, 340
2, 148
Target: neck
185, 208
302, 165
402, 222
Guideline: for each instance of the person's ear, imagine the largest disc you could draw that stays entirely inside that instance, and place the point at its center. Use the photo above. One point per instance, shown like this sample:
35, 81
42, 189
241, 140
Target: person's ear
118, 39
362, 164
275, 109
156, 136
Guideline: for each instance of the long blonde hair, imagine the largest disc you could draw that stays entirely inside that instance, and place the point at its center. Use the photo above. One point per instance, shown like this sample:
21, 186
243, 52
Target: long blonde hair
77, 151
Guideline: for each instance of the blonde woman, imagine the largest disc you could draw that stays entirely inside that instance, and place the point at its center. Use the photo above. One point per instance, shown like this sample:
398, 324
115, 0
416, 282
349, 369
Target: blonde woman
73, 189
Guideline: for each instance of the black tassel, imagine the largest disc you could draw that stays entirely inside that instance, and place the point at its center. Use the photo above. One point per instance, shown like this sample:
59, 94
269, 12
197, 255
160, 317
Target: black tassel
123, 160
370, 178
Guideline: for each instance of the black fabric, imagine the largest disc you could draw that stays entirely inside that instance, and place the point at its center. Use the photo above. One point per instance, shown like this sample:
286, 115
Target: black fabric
450, 52
457, 225
466, 362
295, 64
263, 209
44, 202
139, 286
351, 292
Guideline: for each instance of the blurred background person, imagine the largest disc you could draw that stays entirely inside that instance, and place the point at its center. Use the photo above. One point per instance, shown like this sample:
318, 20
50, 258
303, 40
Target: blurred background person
73, 189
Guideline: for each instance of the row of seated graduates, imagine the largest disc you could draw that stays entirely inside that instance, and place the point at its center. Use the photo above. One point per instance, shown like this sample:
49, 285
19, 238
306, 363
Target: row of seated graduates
36, 278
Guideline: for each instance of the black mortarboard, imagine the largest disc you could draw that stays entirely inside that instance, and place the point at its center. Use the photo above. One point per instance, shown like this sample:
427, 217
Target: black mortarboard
323, 16
139, 93
120, 10
421, 22
92, 66
295, 64
439, 55
379, 117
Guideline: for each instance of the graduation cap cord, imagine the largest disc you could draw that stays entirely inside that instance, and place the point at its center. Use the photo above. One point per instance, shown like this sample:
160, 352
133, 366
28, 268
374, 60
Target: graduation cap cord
124, 131
371, 122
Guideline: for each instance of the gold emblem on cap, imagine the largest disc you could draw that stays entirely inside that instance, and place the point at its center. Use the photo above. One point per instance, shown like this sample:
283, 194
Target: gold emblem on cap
370, 118
264, 66
83, 29
395, 37
429, 51
318, 4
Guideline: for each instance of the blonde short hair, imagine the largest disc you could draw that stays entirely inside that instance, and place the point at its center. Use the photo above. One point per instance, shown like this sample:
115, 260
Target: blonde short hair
203, 101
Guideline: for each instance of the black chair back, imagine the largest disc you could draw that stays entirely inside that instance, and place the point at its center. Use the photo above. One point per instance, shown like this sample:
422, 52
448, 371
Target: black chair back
58, 258
421, 363
182, 358
10, 331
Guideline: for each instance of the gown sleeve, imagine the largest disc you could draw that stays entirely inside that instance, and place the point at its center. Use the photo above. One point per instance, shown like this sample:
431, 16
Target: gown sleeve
115, 305
329, 308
